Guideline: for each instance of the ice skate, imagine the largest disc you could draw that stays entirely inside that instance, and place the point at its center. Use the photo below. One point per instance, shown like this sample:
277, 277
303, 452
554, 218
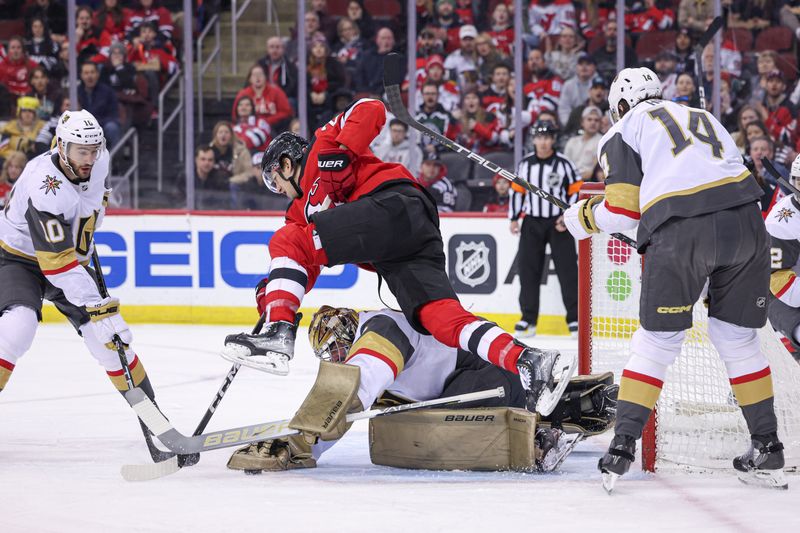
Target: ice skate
762, 465
524, 329
555, 446
270, 351
545, 374
617, 460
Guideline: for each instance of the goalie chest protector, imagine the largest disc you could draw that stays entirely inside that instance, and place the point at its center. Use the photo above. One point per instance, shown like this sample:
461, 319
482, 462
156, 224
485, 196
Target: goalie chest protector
455, 439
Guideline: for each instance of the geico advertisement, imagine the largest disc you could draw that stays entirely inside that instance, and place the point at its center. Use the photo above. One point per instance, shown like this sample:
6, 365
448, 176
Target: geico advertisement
216, 261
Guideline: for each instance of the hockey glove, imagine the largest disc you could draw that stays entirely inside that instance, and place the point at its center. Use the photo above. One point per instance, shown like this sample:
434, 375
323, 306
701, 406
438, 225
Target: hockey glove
261, 296
106, 321
337, 178
286, 453
579, 218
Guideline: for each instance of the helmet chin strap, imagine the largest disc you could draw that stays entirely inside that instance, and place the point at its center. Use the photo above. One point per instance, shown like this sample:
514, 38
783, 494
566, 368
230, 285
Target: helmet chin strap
295, 186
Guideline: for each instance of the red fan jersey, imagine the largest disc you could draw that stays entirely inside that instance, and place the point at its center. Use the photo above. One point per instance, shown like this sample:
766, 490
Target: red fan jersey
354, 128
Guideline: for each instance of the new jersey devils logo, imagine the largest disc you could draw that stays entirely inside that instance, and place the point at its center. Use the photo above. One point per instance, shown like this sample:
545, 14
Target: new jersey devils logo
316, 201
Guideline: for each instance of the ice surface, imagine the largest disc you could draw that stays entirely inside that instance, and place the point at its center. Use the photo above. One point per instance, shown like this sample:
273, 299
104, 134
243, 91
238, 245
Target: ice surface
64, 433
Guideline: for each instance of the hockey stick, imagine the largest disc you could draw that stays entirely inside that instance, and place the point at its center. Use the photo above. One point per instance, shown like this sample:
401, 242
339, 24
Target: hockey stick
156, 454
144, 472
393, 74
712, 30
778, 176
179, 443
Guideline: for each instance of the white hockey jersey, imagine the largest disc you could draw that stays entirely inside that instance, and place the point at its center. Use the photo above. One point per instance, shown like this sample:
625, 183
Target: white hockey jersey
664, 160
783, 222
51, 221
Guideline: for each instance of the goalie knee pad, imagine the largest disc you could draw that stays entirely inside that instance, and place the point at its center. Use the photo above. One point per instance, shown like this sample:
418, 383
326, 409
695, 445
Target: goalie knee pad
17, 330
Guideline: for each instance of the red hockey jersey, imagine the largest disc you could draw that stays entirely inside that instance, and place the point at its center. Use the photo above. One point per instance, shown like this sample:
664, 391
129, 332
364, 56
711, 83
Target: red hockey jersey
354, 128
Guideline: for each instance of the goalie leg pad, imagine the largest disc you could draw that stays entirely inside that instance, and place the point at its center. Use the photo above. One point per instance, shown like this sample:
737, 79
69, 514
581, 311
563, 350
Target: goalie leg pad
455, 439
333, 395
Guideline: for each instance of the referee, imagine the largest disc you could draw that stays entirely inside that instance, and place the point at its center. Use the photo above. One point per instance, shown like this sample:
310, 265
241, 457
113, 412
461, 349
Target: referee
543, 224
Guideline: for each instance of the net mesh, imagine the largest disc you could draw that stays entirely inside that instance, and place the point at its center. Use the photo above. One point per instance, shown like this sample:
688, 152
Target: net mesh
699, 425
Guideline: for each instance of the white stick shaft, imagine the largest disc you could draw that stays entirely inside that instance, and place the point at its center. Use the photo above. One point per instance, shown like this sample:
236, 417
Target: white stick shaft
461, 398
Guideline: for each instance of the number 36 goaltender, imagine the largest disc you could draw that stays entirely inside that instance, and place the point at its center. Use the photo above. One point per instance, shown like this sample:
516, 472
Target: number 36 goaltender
377, 356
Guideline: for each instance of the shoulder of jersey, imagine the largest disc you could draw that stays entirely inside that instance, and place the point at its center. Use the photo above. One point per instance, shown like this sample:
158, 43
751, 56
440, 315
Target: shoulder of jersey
783, 220
47, 186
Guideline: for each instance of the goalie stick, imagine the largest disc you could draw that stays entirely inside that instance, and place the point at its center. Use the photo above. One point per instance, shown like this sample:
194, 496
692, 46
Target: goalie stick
145, 472
179, 443
712, 30
157, 455
393, 75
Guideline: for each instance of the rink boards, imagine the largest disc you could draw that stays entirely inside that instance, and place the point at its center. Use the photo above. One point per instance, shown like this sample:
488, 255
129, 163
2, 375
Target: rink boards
180, 267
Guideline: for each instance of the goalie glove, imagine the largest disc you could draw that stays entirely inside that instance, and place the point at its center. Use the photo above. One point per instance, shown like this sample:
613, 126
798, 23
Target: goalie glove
579, 218
105, 320
286, 453
336, 176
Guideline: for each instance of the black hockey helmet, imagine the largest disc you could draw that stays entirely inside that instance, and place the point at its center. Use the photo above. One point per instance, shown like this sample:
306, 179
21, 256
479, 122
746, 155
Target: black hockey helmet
544, 127
289, 145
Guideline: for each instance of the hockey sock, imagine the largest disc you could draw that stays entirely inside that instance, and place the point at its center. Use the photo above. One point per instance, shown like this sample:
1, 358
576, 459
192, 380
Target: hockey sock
6, 368
295, 250
754, 394
138, 375
454, 326
639, 388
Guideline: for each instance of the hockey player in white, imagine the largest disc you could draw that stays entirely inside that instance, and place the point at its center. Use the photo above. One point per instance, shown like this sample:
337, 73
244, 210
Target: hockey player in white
675, 172
783, 224
46, 242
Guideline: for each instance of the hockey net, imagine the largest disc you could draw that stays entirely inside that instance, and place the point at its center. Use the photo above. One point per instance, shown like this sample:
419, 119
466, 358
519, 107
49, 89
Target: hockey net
697, 425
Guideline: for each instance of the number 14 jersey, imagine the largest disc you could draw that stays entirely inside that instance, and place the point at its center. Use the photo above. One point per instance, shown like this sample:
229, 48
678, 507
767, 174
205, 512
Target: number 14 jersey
664, 160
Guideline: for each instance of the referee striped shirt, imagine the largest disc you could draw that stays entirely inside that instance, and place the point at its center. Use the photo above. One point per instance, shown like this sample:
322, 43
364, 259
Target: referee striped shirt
555, 175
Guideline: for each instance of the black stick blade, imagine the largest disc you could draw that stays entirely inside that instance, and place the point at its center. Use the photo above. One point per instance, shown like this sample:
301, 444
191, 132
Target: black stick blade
712, 30
394, 69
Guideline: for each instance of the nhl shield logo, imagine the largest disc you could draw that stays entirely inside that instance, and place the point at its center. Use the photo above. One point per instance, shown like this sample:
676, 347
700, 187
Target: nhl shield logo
473, 263
554, 180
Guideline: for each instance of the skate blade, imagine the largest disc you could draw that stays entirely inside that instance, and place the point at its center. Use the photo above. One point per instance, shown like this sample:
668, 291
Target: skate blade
271, 362
609, 480
769, 479
556, 456
563, 369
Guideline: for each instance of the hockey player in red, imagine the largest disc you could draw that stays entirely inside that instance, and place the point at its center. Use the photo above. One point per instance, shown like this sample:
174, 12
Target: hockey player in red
350, 207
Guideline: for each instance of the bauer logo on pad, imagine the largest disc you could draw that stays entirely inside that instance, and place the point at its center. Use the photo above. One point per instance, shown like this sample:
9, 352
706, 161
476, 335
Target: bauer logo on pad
472, 263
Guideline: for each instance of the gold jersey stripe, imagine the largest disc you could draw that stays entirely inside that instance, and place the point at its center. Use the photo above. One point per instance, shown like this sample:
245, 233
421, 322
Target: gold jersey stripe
382, 345
753, 391
638, 392
14, 251
5, 375
624, 196
780, 280
56, 260
705, 186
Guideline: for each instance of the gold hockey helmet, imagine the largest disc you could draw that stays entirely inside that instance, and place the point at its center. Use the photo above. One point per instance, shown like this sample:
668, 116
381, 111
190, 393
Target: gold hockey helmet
332, 332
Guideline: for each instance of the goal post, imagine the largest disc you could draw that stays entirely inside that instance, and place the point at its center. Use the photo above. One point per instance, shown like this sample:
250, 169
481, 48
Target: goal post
696, 424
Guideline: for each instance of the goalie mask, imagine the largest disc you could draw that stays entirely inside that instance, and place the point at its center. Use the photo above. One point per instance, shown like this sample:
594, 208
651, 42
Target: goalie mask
332, 332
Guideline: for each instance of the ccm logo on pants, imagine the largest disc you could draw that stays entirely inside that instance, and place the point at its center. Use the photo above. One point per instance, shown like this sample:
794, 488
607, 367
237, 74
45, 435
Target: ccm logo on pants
674, 310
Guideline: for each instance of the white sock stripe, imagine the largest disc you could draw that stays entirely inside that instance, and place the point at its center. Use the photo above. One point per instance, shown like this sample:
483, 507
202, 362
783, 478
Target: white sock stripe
287, 285
285, 262
466, 333
487, 339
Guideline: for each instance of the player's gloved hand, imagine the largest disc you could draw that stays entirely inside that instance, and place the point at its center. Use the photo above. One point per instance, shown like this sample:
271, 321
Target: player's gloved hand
337, 178
579, 218
261, 296
106, 321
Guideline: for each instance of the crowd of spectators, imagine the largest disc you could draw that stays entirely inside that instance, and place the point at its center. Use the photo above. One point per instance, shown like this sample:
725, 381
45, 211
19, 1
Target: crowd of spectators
465, 81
